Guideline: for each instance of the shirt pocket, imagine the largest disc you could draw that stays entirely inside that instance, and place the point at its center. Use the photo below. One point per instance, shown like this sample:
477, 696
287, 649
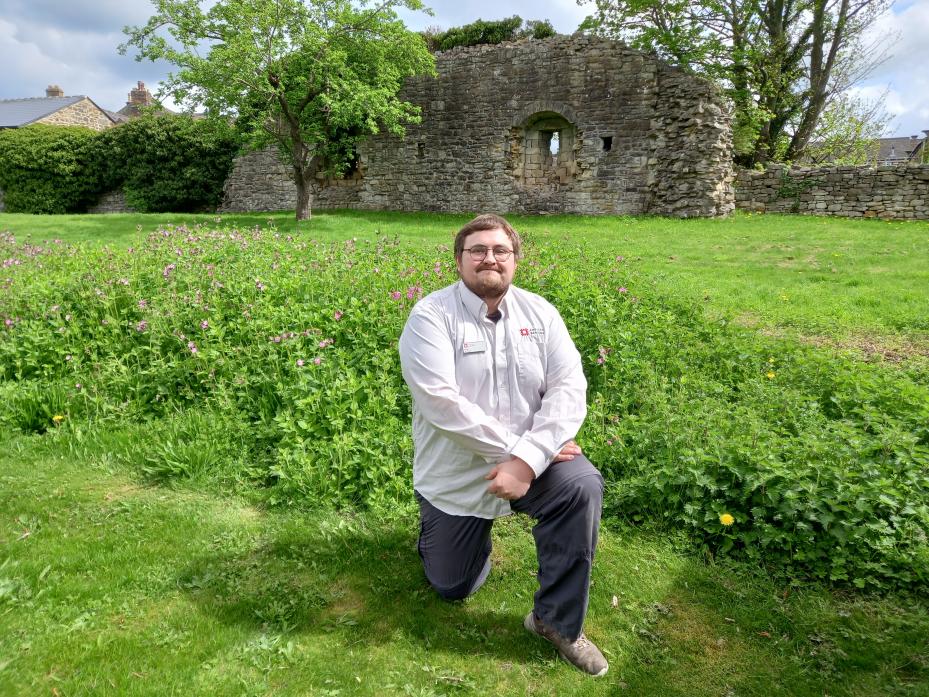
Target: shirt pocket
529, 365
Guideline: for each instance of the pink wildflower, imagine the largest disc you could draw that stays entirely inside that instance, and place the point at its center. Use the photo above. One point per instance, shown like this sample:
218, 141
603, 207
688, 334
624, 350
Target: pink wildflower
337, 315
192, 346
623, 289
204, 325
299, 362
141, 326
317, 360
395, 295
143, 304
259, 285
78, 386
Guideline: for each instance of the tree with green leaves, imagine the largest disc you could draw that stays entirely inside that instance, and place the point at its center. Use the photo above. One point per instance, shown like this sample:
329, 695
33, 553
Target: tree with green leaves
848, 131
313, 76
782, 62
488, 32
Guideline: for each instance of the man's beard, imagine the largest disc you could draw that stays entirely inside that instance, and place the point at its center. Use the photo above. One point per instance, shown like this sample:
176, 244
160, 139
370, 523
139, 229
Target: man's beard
488, 285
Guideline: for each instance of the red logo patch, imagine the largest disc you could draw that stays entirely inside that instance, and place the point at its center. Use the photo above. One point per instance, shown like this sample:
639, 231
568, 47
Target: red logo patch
524, 331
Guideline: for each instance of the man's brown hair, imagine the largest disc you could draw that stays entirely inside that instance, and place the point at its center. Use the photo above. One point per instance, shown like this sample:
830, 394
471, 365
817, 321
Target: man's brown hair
487, 221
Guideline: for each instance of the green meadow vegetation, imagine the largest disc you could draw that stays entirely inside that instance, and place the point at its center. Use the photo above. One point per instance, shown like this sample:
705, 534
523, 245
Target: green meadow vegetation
206, 457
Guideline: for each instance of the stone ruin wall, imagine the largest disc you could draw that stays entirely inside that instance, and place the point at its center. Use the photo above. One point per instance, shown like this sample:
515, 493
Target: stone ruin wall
894, 192
634, 136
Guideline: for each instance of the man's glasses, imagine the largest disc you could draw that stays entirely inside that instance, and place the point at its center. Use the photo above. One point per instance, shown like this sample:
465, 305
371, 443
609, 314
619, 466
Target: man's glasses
479, 253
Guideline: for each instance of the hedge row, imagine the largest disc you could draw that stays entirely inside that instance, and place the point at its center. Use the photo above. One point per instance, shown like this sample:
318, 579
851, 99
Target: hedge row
160, 162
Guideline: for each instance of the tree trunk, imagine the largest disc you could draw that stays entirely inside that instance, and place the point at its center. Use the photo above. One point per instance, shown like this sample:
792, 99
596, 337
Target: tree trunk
304, 199
303, 178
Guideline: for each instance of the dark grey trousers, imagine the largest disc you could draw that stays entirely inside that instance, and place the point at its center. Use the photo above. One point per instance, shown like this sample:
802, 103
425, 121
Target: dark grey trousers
565, 501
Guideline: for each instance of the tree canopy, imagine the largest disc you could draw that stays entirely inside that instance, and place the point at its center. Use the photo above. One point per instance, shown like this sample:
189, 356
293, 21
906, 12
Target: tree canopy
488, 32
314, 76
782, 62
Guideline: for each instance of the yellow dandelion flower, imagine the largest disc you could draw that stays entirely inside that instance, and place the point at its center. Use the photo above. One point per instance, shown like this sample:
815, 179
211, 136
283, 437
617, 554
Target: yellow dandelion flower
726, 519
771, 375
58, 418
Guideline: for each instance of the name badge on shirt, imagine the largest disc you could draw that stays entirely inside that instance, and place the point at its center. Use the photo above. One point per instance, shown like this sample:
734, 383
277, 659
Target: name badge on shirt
473, 346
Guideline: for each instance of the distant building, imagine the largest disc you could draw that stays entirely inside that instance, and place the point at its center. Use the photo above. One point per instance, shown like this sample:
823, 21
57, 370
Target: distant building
139, 98
894, 151
58, 110
55, 109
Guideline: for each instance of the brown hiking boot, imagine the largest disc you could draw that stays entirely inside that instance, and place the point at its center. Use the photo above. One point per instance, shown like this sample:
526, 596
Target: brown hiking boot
582, 654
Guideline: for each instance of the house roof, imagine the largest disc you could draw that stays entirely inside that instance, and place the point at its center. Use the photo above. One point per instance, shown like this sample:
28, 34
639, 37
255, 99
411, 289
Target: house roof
22, 112
898, 149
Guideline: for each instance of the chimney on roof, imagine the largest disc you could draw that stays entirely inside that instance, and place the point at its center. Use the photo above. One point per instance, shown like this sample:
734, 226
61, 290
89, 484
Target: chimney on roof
54, 91
140, 96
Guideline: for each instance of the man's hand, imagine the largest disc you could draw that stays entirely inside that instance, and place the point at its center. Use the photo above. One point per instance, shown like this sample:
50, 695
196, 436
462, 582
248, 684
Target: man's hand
510, 479
568, 452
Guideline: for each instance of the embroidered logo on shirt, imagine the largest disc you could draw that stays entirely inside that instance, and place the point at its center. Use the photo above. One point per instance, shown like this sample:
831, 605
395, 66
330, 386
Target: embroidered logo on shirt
535, 333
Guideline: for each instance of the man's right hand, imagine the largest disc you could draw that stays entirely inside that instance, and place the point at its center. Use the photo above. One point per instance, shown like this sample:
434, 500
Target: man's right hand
568, 452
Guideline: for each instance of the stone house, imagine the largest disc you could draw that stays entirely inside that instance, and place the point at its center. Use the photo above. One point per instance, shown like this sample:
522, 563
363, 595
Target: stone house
55, 109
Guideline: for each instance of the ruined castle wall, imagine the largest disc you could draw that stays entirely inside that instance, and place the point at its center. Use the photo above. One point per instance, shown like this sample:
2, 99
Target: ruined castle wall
569, 125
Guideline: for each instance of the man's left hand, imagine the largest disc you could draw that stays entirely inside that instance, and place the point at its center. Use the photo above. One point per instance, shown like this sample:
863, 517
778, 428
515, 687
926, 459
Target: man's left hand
510, 479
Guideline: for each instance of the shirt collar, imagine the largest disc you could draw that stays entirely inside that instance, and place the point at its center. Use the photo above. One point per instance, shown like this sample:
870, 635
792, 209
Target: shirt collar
475, 305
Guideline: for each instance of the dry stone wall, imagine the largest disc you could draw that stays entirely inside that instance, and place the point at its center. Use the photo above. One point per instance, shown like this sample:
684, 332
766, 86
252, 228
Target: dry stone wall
568, 125
893, 192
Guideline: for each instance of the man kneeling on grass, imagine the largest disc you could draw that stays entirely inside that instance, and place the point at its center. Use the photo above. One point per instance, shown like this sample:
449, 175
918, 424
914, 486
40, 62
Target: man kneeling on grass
498, 396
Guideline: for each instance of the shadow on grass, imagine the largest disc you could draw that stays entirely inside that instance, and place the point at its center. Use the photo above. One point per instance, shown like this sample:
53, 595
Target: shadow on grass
358, 585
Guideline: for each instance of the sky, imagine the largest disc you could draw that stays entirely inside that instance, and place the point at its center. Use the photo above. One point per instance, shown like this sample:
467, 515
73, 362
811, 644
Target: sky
73, 43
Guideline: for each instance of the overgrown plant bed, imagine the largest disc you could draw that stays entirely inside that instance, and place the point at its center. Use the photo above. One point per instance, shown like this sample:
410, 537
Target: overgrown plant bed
267, 362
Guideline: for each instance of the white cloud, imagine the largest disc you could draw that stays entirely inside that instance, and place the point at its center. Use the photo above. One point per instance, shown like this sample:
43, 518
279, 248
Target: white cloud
905, 72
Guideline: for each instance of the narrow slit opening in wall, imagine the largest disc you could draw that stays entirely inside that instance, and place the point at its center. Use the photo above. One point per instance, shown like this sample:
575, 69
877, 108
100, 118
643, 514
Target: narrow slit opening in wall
554, 142
607, 143
420, 149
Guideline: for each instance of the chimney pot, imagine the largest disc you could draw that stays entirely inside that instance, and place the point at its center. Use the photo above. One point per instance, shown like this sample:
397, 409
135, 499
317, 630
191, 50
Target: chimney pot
54, 91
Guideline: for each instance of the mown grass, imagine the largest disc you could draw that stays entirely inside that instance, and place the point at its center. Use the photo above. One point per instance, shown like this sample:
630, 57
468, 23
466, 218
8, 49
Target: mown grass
112, 587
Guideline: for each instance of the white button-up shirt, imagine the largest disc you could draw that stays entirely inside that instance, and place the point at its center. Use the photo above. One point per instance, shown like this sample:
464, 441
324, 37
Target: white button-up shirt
485, 392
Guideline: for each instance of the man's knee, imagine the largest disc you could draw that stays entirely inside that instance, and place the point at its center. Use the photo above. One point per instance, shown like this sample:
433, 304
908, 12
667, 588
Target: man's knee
459, 589
587, 489
451, 593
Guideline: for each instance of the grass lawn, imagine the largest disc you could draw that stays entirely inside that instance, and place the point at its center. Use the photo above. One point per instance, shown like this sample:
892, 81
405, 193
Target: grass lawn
112, 587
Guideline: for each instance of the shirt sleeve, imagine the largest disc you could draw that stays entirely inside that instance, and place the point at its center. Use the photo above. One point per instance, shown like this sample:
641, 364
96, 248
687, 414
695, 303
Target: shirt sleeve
564, 405
427, 359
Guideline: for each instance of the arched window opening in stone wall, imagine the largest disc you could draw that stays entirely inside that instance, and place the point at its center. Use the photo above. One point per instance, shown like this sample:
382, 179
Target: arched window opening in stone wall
542, 150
